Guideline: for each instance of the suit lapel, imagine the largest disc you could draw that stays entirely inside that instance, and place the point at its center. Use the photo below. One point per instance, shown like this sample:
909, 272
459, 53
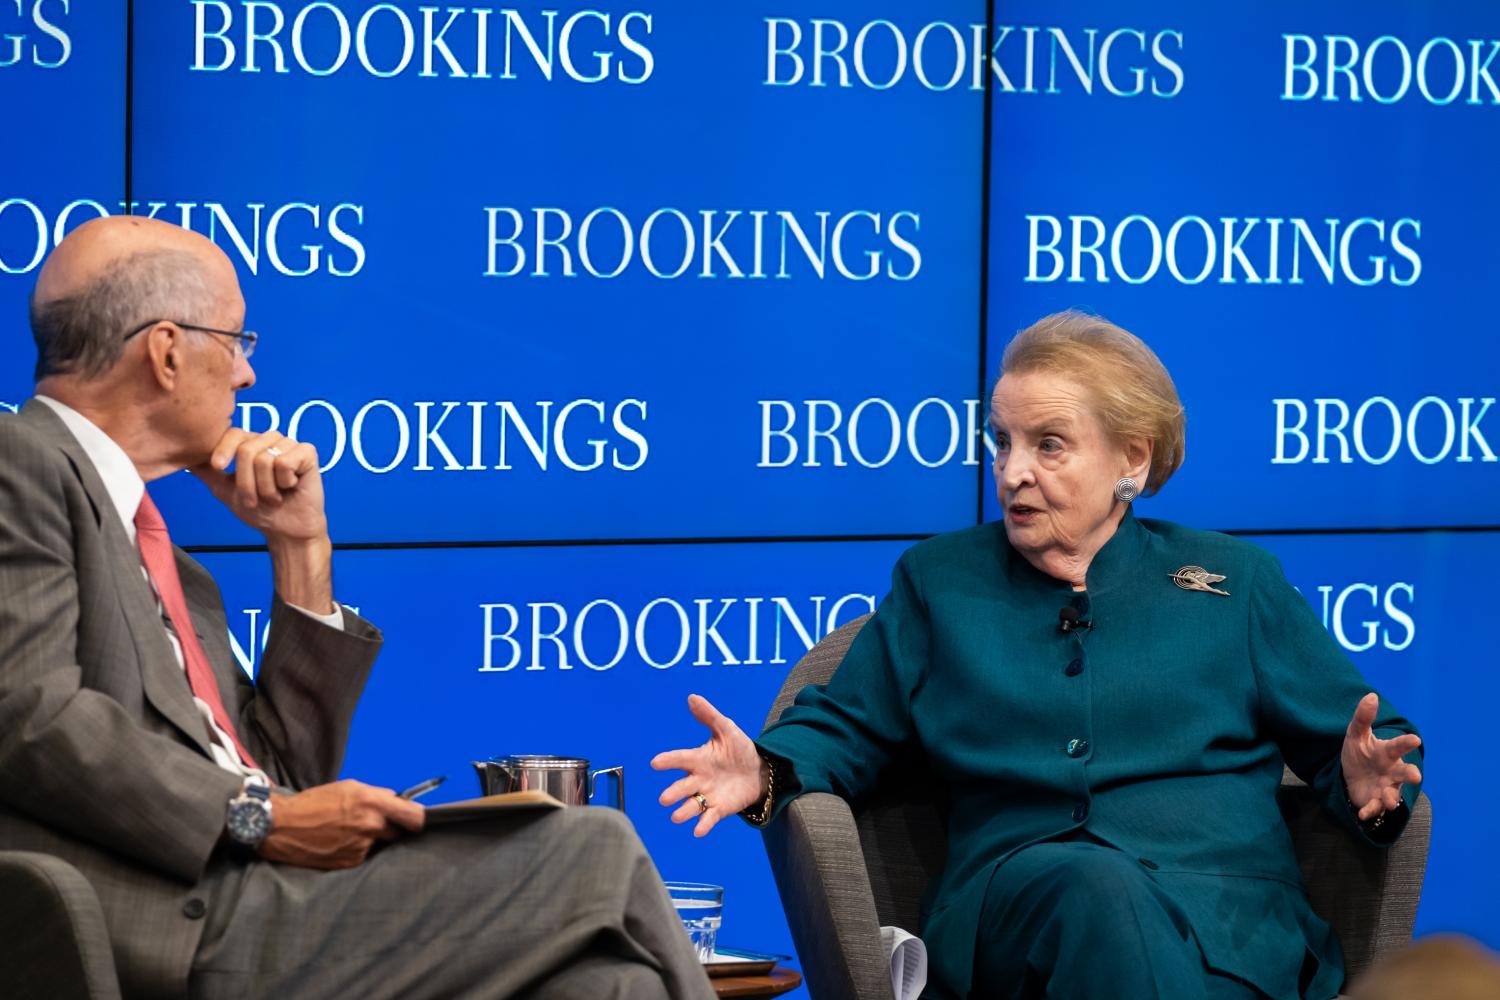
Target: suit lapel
163, 681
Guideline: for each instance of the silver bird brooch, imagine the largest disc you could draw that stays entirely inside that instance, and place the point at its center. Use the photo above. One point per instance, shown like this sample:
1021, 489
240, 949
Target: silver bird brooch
1198, 578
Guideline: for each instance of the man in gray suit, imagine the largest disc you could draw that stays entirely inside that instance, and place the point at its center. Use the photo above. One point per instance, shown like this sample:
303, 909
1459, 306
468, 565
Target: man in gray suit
203, 808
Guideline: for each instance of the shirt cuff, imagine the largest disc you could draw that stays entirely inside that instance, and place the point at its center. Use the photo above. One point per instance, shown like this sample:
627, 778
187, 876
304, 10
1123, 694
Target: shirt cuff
333, 620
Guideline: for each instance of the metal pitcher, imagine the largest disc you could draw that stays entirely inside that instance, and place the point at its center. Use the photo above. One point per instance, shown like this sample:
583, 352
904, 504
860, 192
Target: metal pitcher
567, 779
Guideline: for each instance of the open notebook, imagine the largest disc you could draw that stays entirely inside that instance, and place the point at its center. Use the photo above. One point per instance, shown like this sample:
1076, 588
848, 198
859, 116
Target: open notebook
490, 805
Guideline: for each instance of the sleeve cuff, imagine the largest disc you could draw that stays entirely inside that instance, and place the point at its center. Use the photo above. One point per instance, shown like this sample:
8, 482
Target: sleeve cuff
785, 786
1383, 830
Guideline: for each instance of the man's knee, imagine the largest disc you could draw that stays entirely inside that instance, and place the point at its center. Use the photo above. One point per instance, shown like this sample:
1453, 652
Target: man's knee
601, 824
597, 832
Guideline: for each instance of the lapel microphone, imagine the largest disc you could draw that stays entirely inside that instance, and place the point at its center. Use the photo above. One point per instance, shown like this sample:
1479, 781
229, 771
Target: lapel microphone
1068, 621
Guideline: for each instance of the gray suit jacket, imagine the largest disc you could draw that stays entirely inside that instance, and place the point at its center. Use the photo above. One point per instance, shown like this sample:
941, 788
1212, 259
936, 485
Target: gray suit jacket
103, 757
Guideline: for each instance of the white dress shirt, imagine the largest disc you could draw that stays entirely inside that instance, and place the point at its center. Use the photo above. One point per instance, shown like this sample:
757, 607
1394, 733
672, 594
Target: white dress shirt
125, 488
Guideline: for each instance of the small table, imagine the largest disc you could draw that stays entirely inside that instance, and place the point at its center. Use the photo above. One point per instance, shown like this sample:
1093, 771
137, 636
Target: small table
772, 984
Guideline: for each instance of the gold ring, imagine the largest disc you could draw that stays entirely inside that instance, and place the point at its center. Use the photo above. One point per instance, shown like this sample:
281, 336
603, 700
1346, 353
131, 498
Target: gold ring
702, 802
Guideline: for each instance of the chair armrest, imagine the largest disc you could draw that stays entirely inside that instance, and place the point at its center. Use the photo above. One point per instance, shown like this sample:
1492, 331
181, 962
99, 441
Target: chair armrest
1369, 895
815, 853
53, 942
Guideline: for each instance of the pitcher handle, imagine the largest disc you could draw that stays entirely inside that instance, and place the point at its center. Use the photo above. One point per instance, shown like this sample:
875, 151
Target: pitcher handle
617, 773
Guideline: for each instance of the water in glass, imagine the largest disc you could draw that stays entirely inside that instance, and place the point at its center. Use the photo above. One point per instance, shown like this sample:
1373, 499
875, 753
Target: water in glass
701, 908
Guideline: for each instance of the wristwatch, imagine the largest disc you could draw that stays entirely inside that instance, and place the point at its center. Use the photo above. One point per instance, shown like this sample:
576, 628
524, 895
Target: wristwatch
250, 814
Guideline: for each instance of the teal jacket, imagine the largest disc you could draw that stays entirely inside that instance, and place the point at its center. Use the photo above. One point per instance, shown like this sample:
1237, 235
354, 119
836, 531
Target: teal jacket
1161, 730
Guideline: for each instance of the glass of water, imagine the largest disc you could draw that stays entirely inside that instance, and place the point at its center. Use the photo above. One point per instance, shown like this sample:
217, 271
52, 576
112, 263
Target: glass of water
701, 907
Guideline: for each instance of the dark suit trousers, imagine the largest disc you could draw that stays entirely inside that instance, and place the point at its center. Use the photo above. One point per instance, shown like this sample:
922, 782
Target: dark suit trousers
557, 905
1080, 919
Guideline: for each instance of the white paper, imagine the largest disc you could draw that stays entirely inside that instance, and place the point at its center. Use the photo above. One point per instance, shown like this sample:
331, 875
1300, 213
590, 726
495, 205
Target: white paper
908, 962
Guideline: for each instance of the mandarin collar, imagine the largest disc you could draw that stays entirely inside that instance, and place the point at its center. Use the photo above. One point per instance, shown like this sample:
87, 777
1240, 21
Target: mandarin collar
1113, 565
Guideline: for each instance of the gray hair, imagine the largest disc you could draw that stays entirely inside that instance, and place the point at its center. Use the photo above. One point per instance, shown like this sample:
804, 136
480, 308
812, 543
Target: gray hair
83, 334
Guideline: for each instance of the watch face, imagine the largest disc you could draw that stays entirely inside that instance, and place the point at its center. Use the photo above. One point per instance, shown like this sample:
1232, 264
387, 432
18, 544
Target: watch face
249, 822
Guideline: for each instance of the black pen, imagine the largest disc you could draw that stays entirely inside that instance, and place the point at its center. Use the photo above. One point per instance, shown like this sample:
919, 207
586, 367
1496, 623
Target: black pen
423, 787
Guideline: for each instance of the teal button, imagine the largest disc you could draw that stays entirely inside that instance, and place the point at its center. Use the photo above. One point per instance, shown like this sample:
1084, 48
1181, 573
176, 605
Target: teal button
1077, 748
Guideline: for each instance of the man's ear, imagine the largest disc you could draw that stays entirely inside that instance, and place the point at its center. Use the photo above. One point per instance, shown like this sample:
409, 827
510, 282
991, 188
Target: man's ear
164, 347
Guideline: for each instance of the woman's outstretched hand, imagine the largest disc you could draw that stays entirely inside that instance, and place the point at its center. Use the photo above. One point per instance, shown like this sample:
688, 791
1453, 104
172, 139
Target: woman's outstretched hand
726, 773
1373, 769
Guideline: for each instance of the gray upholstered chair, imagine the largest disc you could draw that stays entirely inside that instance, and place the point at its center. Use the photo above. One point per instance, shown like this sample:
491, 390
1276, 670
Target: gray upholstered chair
842, 874
53, 943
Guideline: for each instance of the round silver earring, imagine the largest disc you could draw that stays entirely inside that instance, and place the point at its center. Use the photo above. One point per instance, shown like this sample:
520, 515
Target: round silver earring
1127, 490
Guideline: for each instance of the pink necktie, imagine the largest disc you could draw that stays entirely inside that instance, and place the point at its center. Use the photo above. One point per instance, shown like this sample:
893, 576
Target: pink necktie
156, 553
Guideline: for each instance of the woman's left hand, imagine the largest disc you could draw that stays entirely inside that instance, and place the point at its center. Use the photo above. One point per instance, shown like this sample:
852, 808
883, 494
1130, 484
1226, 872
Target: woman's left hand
1373, 769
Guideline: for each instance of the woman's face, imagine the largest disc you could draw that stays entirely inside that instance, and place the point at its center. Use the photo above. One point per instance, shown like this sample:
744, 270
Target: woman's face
1056, 469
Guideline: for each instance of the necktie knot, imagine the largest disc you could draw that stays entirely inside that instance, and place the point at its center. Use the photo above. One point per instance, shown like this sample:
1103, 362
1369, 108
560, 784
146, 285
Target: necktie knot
147, 517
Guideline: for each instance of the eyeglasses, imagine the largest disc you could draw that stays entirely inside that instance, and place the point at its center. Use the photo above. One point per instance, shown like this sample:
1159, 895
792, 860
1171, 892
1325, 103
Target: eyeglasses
245, 339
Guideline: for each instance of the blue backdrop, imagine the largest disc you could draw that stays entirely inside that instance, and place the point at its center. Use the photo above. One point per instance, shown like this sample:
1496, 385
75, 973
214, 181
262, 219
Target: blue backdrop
639, 340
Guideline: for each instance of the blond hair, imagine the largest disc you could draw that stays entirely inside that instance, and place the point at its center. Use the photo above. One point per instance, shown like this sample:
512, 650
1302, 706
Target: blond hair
1130, 390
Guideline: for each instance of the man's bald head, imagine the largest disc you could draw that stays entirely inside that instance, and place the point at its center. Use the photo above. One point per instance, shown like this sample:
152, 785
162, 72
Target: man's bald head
112, 274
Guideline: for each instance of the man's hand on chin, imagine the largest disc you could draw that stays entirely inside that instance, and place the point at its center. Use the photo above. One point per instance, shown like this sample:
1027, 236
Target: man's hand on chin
273, 484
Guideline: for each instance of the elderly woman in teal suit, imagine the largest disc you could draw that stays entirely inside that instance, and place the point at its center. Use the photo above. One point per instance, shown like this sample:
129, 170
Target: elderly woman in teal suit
1110, 700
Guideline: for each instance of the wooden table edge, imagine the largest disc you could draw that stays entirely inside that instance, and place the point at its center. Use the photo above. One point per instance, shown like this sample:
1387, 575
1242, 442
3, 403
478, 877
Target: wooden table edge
774, 983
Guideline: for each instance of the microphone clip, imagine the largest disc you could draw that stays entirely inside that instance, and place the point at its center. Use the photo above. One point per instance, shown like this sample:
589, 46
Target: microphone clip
1068, 621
